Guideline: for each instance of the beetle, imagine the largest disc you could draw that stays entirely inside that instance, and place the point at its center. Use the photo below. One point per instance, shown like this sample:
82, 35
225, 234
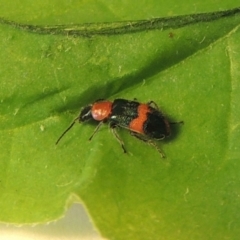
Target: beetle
144, 120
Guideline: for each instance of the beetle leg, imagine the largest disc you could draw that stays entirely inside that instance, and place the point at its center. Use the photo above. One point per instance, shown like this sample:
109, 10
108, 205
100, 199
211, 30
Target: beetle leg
99, 100
113, 127
149, 141
153, 104
180, 122
96, 130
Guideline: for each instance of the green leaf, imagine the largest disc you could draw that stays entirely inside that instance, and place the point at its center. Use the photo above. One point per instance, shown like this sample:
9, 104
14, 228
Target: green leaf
191, 72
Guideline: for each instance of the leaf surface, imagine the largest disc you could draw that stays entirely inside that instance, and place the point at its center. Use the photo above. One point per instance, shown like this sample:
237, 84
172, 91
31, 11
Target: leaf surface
191, 72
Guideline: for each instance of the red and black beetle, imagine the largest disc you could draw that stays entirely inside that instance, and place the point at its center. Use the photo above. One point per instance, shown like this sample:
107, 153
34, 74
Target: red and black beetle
144, 120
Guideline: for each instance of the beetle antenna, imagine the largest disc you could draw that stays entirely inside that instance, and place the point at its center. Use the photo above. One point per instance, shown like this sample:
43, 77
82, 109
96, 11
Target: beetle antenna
74, 121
